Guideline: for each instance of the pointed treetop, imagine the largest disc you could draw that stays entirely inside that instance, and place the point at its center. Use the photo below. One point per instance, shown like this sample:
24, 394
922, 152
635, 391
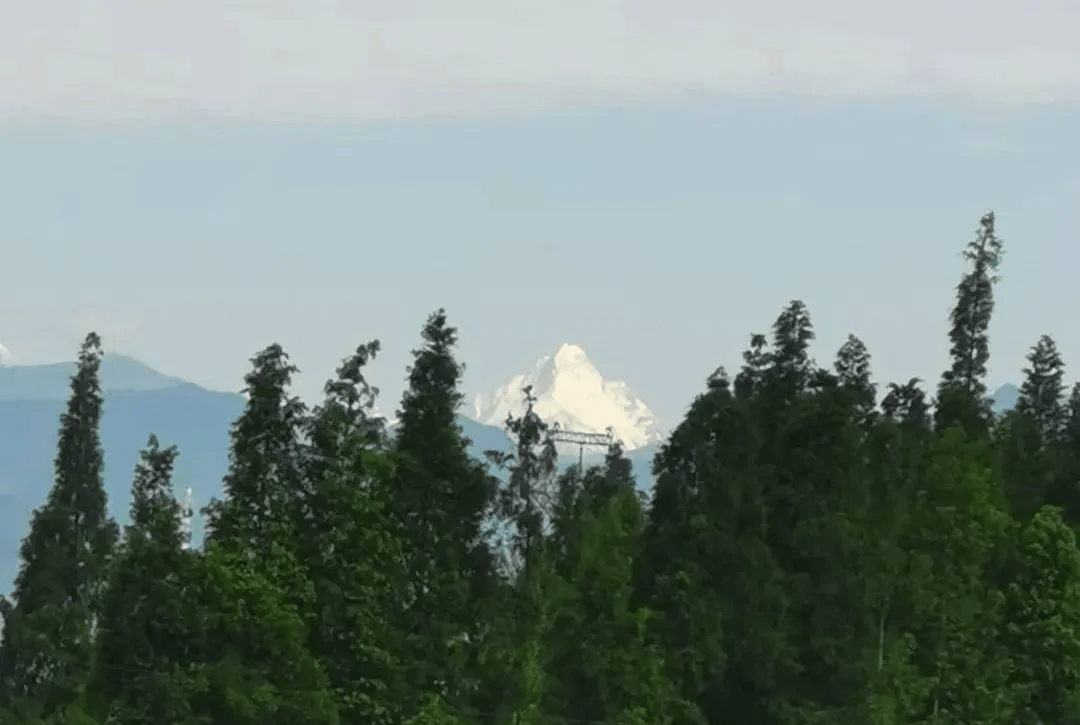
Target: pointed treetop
153, 482
1041, 393
853, 370
432, 398
962, 392
91, 346
986, 249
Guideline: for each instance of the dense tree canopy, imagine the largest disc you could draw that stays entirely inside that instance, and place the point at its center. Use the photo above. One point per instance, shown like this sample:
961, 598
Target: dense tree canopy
816, 548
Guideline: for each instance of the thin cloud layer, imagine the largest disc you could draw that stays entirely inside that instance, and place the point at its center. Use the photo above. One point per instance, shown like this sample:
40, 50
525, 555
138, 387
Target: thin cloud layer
325, 59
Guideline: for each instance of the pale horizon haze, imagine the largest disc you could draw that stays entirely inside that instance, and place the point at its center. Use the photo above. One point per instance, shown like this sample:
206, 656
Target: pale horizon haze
652, 181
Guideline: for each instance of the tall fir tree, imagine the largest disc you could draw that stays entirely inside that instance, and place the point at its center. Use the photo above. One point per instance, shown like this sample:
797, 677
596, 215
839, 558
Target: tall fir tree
962, 398
528, 498
1029, 433
790, 364
705, 568
1066, 489
49, 624
853, 374
264, 487
257, 657
526, 621
1042, 392
352, 548
142, 668
441, 498
906, 404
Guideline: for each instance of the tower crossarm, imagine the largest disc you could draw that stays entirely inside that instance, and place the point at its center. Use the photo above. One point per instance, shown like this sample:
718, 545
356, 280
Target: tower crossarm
581, 439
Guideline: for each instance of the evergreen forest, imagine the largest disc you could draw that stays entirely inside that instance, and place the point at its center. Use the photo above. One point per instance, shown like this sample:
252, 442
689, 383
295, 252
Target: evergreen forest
816, 550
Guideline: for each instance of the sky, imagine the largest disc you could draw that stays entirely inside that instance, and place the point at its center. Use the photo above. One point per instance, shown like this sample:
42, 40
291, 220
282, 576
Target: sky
653, 181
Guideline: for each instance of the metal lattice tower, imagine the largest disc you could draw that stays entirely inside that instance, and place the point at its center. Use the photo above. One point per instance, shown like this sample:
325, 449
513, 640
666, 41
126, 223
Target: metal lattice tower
581, 439
188, 513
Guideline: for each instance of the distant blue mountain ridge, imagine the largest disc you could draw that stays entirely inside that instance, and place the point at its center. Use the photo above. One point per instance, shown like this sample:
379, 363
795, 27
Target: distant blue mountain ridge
139, 401
52, 381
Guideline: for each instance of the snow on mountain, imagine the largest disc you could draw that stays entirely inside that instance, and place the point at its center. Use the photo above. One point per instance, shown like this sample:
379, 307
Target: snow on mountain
570, 391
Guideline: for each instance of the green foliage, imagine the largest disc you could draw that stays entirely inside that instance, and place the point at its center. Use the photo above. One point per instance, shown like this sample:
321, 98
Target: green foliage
141, 670
48, 632
807, 557
1042, 602
962, 392
440, 498
353, 553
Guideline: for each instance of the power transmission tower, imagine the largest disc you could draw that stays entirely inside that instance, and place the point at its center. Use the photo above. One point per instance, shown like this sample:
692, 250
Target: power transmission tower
581, 440
187, 514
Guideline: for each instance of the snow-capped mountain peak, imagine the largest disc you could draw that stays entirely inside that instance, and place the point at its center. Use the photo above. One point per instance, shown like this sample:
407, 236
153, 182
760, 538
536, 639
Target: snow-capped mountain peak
570, 391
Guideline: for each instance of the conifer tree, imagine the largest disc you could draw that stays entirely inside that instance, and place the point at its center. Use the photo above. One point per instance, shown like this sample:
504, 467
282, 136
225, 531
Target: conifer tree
962, 396
1066, 487
528, 498
706, 570
264, 487
1029, 432
264, 477
791, 366
441, 497
1041, 394
755, 362
525, 621
907, 404
353, 553
853, 373
47, 645
142, 670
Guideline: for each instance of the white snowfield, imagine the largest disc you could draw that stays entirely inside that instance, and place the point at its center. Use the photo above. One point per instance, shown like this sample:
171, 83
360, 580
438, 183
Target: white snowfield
570, 391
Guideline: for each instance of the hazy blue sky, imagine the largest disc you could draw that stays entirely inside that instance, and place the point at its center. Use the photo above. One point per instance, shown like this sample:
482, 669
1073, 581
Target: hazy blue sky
653, 185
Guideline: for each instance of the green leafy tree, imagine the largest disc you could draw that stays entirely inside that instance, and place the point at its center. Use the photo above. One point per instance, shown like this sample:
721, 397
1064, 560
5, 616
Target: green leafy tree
1042, 607
47, 645
248, 649
604, 665
956, 535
